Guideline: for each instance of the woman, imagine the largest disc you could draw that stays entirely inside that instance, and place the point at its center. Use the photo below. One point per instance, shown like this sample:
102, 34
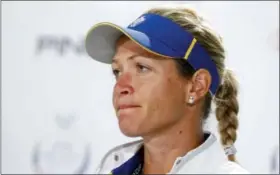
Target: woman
169, 67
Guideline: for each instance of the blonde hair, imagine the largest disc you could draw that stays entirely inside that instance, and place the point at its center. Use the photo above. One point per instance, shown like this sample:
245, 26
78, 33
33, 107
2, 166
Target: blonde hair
226, 97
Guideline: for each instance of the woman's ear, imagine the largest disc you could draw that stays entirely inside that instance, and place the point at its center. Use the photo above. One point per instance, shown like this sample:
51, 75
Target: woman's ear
199, 86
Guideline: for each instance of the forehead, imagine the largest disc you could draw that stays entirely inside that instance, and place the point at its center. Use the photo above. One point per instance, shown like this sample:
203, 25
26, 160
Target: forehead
125, 45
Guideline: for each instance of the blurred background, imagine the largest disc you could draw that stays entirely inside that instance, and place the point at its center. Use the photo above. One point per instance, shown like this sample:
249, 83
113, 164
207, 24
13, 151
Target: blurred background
57, 115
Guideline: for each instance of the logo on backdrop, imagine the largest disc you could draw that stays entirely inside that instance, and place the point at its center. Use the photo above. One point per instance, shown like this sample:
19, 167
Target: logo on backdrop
63, 152
60, 45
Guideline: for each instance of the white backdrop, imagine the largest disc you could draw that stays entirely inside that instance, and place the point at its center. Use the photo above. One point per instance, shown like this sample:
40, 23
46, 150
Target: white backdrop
56, 101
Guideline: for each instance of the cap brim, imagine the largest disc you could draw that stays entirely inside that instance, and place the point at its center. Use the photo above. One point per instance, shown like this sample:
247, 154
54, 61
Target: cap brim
101, 41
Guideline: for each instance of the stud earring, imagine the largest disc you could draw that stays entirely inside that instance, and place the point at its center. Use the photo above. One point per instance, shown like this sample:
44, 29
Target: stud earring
191, 100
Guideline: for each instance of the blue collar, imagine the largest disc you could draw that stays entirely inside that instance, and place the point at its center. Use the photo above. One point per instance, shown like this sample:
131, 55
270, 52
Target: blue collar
135, 163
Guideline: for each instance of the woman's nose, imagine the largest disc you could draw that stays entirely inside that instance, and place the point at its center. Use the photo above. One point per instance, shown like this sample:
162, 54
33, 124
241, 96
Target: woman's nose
124, 84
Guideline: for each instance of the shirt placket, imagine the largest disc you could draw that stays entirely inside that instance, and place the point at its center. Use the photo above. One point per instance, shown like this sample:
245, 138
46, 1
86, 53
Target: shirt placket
176, 166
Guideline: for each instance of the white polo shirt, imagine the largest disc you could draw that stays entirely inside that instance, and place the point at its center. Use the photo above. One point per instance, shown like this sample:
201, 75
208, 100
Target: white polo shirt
208, 158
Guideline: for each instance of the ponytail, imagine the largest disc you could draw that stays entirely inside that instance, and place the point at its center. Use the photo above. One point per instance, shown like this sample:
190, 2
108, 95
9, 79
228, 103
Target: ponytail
227, 108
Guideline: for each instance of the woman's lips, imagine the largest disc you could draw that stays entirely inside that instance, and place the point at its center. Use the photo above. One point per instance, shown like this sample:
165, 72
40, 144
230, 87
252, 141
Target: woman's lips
126, 110
127, 106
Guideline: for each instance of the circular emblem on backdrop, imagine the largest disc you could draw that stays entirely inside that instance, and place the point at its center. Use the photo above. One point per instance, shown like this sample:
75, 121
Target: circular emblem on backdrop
62, 153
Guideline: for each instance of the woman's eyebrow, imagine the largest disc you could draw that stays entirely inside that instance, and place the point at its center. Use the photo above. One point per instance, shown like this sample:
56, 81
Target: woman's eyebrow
114, 60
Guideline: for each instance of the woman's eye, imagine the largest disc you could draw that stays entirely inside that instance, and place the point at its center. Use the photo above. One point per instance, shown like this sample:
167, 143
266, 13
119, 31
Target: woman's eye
116, 72
142, 68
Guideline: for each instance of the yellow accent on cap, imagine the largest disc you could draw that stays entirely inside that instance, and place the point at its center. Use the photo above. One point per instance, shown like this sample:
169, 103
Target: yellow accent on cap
190, 49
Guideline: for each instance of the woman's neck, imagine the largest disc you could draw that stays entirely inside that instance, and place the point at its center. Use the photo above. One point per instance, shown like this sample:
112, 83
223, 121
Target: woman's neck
162, 149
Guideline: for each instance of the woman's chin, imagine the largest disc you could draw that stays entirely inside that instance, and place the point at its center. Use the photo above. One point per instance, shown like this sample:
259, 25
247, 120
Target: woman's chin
129, 129
130, 133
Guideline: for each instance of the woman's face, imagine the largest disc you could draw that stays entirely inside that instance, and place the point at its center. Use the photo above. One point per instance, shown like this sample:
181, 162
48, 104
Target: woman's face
149, 94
